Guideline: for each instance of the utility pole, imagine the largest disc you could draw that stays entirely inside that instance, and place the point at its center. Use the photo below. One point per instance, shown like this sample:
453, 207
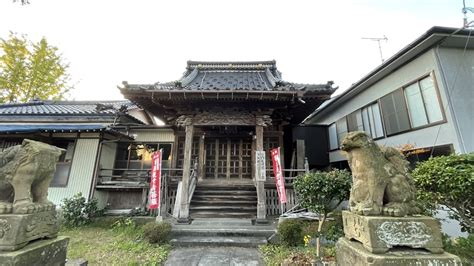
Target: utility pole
384, 38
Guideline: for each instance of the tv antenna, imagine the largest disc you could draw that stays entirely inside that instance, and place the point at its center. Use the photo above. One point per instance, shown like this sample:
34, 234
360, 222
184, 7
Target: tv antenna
465, 9
378, 40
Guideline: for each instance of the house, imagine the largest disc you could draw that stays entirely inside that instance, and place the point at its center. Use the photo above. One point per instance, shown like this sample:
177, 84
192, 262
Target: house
79, 127
221, 114
420, 100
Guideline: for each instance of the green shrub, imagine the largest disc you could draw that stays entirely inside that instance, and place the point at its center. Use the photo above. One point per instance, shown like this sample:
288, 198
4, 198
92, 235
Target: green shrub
449, 181
322, 192
158, 233
461, 246
77, 212
334, 229
290, 232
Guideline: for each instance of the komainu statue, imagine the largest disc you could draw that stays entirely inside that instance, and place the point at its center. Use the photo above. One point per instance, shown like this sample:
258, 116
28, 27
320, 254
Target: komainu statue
25, 173
381, 183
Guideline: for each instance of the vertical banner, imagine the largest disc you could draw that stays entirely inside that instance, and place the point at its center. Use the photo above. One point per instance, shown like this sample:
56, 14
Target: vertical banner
277, 171
260, 166
155, 182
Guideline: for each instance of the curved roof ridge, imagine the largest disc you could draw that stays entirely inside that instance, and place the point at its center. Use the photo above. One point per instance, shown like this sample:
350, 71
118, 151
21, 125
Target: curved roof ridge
231, 64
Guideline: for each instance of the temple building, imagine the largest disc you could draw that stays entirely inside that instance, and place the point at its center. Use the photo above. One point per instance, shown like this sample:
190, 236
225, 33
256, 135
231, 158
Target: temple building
221, 114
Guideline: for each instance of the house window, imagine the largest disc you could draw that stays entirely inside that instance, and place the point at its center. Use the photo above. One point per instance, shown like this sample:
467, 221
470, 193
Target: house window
332, 137
63, 166
137, 156
354, 121
395, 113
372, 120
422, 101
341, 127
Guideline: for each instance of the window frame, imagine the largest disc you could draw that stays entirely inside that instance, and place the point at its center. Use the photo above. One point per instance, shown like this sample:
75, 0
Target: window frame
384, 132
337, 133
438, 97
329, 137
354, 113
51, 185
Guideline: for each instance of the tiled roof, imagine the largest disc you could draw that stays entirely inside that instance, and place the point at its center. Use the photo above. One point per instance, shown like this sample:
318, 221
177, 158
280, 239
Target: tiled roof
235, 76
75, 108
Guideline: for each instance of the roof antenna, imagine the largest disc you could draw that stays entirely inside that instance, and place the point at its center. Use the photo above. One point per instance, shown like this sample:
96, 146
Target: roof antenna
384, 38
464, 11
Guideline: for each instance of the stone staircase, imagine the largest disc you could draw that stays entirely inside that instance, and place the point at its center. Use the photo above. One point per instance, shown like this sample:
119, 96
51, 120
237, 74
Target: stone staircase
223, 201
218, 232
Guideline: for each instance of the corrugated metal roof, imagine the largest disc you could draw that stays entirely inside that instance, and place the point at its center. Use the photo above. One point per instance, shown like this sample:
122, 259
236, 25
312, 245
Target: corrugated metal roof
21, 128
93, 108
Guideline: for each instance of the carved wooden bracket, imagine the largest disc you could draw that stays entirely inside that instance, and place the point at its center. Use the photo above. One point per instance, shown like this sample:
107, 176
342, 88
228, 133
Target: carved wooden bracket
264, 120
224, 119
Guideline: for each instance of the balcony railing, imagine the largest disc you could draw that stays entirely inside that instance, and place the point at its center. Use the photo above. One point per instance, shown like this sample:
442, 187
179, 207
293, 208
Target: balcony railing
133, 178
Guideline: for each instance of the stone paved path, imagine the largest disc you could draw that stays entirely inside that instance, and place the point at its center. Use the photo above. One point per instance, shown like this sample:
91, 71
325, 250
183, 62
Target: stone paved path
214, 256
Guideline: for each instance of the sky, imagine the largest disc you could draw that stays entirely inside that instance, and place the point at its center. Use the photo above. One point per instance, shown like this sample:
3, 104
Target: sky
143, 41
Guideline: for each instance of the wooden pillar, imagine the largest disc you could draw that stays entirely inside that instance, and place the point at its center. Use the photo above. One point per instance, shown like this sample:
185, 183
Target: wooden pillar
261, 208
188, 145
202, 157
300, 153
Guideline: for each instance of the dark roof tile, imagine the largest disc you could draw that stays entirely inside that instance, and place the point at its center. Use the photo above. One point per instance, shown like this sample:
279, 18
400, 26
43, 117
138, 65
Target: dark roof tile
62, 108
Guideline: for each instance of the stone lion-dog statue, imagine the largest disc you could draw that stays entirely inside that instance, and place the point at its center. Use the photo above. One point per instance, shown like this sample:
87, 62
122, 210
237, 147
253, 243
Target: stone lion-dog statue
25, 173
381, 184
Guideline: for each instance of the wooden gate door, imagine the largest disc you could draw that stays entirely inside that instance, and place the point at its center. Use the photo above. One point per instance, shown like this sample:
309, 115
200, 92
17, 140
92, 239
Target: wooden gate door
228, 158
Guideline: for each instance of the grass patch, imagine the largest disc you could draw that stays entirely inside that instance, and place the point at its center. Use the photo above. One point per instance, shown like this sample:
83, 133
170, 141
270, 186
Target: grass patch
301, 255
104, 243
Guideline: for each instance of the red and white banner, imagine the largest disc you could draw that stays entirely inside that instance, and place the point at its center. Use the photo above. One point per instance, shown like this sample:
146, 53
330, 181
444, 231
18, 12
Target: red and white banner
155, 182
277, 171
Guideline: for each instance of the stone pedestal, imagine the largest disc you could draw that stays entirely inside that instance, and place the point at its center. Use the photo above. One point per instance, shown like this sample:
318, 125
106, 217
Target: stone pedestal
385, 240
378, 234
354, 253
17, 230
36, 253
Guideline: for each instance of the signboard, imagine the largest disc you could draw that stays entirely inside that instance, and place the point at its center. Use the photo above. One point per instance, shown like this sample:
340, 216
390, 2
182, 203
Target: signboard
260, 167
277, 171
155, 182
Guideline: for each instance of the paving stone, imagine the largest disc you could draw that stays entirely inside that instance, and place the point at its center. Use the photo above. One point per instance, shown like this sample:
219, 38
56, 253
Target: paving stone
214, 256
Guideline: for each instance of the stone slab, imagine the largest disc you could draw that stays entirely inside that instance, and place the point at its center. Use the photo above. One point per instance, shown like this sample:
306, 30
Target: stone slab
378, 234
353, 253
39, 252
17, 230
214, 256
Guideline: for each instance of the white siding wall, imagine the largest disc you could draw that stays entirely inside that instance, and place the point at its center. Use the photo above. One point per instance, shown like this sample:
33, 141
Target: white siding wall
155, 135
439, 135
82, 171
458, 69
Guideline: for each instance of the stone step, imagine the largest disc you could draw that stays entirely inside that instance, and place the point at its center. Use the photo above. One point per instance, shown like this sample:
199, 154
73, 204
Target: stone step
223, 192
220, 202
224, 197
223, 207
192, 241
222, 214
205, 231
225, 187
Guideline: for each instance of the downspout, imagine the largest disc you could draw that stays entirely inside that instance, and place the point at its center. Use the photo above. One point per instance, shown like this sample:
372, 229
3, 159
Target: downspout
450, 102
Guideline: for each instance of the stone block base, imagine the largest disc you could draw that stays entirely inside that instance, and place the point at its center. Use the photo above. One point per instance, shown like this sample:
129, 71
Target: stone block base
354, 254
17, 230
378, 234
40, 252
